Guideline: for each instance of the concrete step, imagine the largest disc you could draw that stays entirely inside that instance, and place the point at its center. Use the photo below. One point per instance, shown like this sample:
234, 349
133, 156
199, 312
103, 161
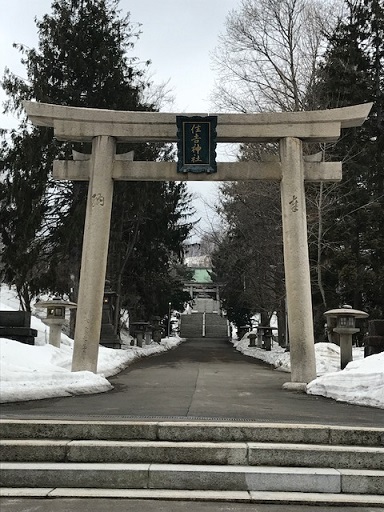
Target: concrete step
191, 326
243, 461
192, 318
190, 431
200, 453
215, 326
260, 497
216, 332
191, 477
213, 319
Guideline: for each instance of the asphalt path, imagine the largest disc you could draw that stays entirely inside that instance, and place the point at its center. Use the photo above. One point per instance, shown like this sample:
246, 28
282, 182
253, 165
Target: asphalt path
122, 505
200, 379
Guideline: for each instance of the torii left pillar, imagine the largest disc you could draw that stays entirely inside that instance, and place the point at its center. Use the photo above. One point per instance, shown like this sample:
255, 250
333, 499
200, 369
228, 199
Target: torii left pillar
94, 256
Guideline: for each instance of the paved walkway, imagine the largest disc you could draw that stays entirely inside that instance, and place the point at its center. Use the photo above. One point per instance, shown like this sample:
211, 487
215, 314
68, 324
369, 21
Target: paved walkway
120, 505
200, 379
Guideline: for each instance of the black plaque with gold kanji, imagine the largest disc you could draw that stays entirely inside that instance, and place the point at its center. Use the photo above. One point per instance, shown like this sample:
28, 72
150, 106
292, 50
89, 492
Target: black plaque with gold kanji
196, 144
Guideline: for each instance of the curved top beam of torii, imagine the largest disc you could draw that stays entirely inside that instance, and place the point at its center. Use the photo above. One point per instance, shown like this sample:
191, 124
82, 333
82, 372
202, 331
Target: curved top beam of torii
82, 124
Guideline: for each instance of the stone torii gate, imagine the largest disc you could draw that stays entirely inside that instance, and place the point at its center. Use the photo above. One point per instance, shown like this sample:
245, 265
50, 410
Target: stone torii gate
106, 128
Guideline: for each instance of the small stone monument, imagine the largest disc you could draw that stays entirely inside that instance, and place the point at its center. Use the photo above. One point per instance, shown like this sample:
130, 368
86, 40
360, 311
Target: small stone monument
55, 317
109, 336
157, 329
252, 339
345, 328
138, 330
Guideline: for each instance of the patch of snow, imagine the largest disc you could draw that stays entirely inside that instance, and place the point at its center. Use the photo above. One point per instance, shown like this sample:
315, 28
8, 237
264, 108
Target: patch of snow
360, 383
32, 372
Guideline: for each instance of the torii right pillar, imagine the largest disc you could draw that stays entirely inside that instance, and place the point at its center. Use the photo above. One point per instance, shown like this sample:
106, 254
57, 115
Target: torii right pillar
296, 264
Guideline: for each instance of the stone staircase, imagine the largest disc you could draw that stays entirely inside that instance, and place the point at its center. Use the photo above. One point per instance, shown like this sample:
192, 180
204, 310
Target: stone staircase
208, 325
194, 460
215, 326
191, 326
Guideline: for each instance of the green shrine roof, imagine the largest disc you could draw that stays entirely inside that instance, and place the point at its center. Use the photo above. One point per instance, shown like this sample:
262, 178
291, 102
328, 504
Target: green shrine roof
201, 275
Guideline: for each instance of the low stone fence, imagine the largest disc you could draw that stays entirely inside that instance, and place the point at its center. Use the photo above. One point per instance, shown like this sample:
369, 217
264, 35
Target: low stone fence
16, 325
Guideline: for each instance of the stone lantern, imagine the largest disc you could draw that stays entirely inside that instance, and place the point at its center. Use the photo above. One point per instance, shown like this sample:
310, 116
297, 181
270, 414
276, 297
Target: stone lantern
157, 329
109, 336
138, 330
55, 317
345, 327
252, 339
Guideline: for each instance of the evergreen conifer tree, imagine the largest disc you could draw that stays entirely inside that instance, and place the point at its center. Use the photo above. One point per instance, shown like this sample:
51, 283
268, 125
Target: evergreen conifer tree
83, 60
353, 73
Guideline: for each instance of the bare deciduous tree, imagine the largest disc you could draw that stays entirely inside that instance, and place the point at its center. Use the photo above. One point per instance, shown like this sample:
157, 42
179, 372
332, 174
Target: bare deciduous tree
266, 59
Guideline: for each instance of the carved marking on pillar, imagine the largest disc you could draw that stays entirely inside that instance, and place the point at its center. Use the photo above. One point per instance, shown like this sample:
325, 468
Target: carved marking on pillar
97, 200
294, 204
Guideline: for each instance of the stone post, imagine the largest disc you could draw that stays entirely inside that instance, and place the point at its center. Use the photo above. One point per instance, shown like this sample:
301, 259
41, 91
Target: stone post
346, 349
55, 334
296, 263
94, 256
259, 337
139, 338
252, 339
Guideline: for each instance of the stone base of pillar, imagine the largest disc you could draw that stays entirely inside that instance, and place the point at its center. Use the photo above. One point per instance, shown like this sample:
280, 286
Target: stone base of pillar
295, 386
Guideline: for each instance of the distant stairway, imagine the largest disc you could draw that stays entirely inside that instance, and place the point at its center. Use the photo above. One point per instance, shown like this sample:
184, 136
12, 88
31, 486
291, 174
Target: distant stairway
196, 460
215, 326
192, 325
208, 325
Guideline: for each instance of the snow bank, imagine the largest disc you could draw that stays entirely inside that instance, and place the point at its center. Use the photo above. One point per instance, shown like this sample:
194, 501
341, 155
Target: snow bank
33, 372
277, 357
360, 383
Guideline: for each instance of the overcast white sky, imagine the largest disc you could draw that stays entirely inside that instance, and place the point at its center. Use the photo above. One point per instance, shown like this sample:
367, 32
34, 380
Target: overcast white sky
177, 36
